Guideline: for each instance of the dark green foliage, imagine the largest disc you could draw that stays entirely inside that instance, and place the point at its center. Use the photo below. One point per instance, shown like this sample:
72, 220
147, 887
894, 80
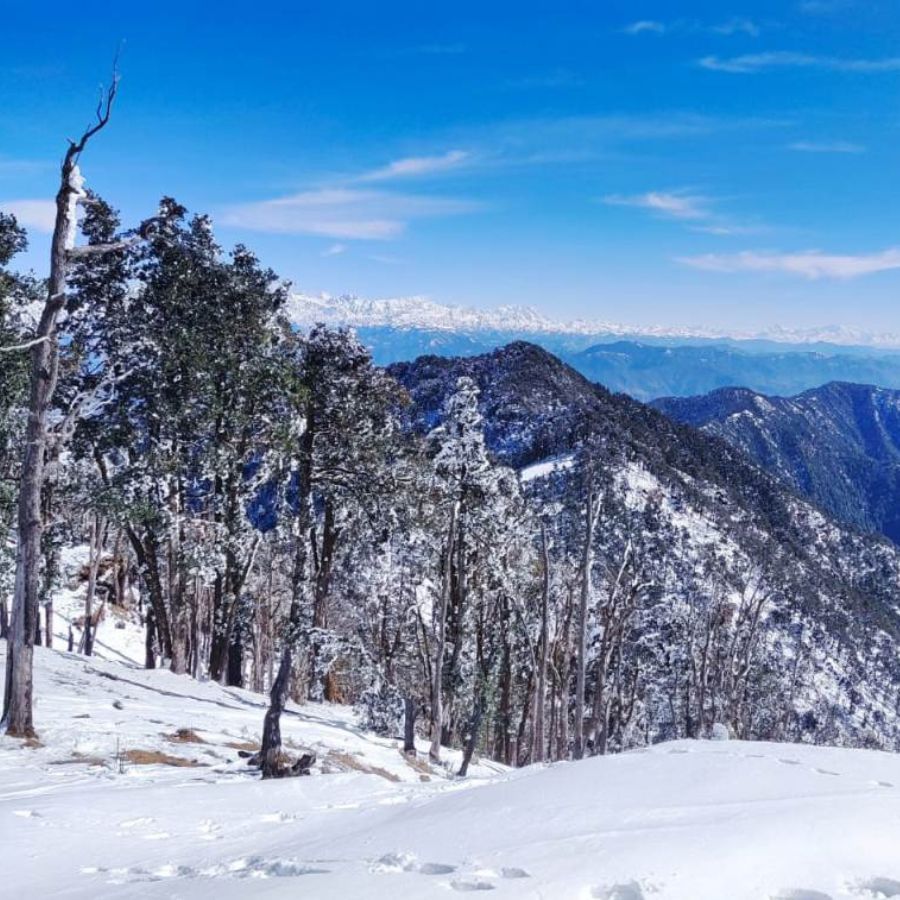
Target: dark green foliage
15, 291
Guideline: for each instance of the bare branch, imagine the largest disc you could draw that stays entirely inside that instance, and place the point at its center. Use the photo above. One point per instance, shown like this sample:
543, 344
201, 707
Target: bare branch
144, 231
64, 429
98, 249
103, 112
26, 346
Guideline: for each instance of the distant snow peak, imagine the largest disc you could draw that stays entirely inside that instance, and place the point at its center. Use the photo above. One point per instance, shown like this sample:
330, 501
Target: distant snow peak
423, 313
413, 312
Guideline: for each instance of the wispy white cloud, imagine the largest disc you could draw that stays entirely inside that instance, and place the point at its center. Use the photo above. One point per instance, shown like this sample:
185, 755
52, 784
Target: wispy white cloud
550, 140
737, 25
38, 215
672, 205
343, 213
694, 210
645, 26
752, 63
727, 230
412, 166
822, 7
826, 147
811, 264
334, 250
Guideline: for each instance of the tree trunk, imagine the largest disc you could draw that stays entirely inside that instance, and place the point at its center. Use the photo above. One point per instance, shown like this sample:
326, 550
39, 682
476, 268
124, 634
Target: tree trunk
319, 685
149, 653
18, 694
147, 555
587, 561
409, 726
472, 737
540, 694
437, 707
221, 631
19, 687
270, 748
234, 672
87, 636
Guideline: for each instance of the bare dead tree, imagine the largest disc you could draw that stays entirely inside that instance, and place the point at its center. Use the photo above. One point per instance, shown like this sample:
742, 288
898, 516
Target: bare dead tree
43, 374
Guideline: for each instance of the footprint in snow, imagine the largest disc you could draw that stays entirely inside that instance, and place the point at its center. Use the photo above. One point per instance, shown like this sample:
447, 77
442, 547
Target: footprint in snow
825, 772
170, 871
277, 817
279, 868
880, 888
630, 890
514, 872
884, 784
475, 885
136, 823
801, 894
392, 863
243, 867
789, 762
209, 830
431, 868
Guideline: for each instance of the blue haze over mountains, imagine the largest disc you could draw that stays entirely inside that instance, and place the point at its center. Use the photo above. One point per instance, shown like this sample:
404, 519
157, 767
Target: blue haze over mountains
660, 367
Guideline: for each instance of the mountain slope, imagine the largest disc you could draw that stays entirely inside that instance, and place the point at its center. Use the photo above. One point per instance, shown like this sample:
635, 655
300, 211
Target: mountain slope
685, 820
839, 444
648, 371
838, 588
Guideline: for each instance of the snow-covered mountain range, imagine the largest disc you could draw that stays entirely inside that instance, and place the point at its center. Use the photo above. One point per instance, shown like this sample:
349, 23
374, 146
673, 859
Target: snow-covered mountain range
422, 313
644, 362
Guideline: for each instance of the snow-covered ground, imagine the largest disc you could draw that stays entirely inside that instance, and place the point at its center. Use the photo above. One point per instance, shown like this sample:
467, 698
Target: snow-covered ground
84, 815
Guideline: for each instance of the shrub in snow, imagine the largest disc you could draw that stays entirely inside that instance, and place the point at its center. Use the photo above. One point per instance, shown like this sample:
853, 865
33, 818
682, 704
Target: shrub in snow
719, 732
380, 709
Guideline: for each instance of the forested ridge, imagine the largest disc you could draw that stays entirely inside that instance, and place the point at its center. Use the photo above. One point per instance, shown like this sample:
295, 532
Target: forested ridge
838, 444
491, 551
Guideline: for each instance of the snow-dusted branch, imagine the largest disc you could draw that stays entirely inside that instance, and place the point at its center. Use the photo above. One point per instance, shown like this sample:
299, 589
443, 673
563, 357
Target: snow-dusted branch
13, 348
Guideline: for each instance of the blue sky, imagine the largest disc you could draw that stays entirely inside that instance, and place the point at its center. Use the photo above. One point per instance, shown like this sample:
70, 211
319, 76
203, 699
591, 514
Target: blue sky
718, 165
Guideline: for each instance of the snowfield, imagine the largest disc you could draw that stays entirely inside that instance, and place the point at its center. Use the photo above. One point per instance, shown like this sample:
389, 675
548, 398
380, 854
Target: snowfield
96, 811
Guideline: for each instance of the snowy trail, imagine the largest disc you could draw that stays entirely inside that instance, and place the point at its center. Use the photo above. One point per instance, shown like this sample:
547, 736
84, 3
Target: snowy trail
681, 821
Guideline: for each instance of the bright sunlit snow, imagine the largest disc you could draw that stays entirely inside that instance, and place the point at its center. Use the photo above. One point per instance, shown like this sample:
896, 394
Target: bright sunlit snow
686, 820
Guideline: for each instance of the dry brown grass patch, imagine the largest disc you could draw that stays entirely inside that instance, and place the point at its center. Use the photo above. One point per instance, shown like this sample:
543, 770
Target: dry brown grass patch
347, 761
80, 759
157, 758
185, 736
418, 765
249, 746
